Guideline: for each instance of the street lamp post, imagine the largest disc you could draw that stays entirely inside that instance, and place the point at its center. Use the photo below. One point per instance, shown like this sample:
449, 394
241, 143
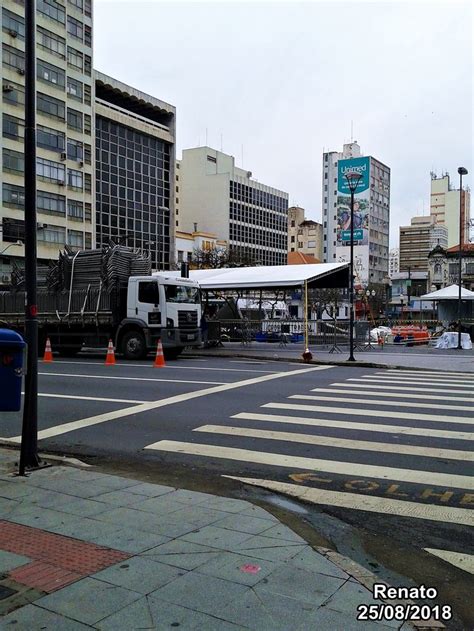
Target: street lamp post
462, 171
353, 178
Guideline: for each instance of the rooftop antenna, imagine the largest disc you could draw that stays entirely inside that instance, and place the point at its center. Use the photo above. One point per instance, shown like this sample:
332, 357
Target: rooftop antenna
206, 136
222, 150
242, 155
352, 130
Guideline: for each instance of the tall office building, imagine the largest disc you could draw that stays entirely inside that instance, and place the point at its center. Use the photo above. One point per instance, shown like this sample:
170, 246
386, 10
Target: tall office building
417, 240
135, 170
216, 196
371, 213
65, 135
444, 207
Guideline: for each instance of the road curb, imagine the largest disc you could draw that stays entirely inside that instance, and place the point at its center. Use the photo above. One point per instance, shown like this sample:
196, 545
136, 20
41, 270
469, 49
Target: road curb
314, 362
368, 580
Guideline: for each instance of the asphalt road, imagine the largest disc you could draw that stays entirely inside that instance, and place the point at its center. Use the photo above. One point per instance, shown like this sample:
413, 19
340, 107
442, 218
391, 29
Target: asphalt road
384, 453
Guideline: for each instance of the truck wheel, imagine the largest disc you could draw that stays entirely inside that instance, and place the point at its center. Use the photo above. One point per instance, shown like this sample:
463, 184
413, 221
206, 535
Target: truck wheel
134, 345
172, 353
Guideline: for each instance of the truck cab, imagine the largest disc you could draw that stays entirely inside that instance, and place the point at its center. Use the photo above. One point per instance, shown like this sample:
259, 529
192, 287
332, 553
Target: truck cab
163, 307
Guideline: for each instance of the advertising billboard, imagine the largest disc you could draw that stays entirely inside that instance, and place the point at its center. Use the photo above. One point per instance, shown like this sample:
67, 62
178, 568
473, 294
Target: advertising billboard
361, 202
361, 217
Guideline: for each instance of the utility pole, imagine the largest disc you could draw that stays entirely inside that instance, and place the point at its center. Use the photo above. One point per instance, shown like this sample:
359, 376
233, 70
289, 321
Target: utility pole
29, 458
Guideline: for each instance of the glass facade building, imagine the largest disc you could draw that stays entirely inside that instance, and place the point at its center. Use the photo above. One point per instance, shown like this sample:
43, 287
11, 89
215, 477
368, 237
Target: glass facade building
134, 171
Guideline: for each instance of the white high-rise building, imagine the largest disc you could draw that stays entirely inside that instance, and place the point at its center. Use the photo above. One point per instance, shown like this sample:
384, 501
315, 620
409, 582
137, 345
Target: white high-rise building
218, 197
371, 213
394, 262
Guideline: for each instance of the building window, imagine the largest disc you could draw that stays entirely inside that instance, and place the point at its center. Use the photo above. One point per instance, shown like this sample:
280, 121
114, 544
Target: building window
87, 35
75, 28
75, 59
50, 74
74, 119
87, 124
13, 93
87, 94
12, 127
52, 9
13, 230
49, 170
51, 42
13, 196
52, 234
212, 159
88, 183
50, 139
13, 161
13, 58
74, 89
51, 203
75, 150
87, 154
292, 238
77, 3
88, 240
87, 65
50, 106
13, 24
75, 238
75, 179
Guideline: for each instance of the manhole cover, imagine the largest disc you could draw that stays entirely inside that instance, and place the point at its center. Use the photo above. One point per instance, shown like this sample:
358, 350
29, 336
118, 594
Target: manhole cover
5, 592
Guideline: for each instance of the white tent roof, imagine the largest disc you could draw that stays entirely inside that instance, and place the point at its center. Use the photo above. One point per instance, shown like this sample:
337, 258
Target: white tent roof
262, 277
449, 293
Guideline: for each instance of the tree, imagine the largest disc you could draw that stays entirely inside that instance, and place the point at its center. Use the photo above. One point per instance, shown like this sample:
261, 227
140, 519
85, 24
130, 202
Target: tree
218, 257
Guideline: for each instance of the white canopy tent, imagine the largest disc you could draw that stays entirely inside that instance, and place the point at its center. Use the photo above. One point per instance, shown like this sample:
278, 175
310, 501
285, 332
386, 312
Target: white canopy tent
449, 293
270, 277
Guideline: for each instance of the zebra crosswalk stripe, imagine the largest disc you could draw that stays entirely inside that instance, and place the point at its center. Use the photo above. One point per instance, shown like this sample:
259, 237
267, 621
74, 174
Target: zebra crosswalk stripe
331, 466
342, 443
405, 383
402, 404
398, 395
411, 416
427, 380
373, 386
432, 373
353, 425
370, 503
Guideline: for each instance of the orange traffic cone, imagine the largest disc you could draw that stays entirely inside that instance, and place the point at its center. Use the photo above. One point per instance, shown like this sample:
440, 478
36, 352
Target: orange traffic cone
110, 359
48, 355
159, 358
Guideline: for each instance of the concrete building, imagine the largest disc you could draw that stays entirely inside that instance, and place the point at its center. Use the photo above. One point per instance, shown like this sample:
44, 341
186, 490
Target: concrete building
187, 243
65, 130
371, 213
444, 206
393, 262
418, 239
135, 170
304, 235
224, 199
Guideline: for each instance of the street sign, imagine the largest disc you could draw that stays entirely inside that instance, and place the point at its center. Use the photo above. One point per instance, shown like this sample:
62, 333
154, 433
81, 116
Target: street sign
358, 235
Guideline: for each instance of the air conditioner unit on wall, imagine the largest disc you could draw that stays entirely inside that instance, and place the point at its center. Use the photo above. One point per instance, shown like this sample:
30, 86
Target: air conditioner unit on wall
6, 278
12, 32
21, 71
63, 155
8, 87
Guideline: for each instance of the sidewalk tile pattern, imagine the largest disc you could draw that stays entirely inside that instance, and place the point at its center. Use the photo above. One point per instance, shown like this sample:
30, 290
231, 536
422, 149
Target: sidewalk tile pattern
57, 561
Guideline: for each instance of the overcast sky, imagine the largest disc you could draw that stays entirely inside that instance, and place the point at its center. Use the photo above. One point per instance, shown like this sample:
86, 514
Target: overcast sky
284, 80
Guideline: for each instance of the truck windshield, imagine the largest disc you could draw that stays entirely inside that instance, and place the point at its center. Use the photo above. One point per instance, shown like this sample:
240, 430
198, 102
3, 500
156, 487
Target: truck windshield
182, 293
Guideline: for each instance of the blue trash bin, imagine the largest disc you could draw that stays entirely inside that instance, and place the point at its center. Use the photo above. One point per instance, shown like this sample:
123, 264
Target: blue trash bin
11, 370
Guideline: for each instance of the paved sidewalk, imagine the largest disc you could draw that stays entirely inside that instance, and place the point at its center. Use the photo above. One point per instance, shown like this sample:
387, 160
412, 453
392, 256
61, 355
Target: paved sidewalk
420, 357
87, 550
